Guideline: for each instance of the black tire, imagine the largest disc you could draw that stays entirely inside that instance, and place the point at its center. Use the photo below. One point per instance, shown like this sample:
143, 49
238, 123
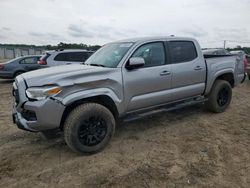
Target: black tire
89, 128
219, 97
248, 76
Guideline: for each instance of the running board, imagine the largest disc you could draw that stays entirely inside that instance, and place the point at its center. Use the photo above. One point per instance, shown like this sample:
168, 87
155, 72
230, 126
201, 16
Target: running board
166, 108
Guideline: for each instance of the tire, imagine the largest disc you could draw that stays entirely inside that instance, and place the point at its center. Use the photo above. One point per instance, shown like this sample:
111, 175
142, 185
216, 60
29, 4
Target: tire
220, 96
248, 76
89, 128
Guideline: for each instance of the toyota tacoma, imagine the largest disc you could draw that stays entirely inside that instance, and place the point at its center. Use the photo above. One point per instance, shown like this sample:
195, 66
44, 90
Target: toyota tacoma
123, 80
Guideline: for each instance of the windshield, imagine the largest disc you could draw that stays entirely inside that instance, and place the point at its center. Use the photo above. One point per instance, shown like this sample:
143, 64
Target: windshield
109, 55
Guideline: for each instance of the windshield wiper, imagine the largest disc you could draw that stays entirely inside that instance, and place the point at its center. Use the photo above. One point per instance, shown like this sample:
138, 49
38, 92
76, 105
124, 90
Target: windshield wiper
98, 65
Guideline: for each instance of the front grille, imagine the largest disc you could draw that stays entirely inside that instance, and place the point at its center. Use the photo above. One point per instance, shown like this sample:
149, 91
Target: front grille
29, 115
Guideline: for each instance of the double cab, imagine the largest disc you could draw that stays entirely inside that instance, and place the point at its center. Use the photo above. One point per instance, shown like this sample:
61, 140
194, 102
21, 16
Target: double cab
123, 80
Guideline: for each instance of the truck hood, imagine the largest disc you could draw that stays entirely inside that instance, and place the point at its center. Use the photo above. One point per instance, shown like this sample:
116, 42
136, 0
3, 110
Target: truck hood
64, 75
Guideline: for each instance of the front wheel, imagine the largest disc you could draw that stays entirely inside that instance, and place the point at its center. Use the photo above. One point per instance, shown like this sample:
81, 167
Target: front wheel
89, 128
219, 97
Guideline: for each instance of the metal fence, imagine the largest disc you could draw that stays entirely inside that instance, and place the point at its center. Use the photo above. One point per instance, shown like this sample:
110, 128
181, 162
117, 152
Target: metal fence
13, 52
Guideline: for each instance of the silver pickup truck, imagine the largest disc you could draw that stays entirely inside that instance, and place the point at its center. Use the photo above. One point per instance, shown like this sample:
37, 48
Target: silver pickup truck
124, 80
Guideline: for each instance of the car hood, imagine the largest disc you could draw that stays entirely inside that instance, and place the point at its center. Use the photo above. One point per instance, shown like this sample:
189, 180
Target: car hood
64, 75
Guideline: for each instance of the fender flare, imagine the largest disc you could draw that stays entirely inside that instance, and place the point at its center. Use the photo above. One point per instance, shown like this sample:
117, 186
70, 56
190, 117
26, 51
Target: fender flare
215, 77
92, 93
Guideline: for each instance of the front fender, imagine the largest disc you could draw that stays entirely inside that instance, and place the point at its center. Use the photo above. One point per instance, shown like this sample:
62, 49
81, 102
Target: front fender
93, 93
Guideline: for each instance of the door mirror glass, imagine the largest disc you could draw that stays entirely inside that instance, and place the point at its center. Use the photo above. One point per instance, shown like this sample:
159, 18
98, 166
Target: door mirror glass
135, 62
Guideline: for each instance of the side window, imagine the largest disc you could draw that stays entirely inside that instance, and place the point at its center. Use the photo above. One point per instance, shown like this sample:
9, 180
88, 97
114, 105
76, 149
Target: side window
30, 60
77, 56
152, 53
72, 56
61, 57
182, 51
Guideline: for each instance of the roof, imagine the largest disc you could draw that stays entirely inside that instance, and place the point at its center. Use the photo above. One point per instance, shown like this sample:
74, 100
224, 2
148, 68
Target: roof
142, 39
69, 50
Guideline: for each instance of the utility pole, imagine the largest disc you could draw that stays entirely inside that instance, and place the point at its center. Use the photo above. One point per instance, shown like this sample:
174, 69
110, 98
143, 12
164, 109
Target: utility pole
224, 44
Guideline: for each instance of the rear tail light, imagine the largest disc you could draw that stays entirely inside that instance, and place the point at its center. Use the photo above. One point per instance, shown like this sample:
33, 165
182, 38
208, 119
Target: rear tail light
42, 62
245, 64
1, 67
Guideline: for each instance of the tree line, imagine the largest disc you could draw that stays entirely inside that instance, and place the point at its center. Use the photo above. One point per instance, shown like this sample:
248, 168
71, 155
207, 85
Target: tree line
62, 45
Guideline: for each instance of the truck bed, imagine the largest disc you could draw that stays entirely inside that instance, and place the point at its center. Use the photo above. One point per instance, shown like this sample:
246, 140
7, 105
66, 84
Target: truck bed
218, 64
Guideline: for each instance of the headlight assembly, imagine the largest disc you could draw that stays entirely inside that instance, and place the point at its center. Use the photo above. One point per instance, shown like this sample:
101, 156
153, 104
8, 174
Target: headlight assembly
40, 93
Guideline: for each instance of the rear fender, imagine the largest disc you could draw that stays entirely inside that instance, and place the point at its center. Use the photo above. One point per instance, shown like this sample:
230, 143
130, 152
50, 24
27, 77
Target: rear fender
211, 79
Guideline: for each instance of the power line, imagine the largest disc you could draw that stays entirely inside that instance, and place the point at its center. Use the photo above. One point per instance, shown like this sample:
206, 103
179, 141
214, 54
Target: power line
247, 42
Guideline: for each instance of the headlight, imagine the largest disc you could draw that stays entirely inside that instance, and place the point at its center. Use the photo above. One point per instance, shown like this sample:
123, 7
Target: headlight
40, 93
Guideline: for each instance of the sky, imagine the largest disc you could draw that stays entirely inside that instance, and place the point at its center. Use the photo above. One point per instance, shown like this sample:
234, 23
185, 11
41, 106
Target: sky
101, 21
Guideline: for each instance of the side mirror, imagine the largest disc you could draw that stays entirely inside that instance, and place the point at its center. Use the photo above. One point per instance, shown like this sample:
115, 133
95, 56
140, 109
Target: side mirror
135, 62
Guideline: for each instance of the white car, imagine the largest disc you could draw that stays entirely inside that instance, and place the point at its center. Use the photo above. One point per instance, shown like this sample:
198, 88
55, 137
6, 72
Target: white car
64, 57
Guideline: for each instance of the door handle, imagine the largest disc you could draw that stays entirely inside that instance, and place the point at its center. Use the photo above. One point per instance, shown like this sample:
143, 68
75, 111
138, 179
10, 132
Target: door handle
68, 63
198, 68
164, 73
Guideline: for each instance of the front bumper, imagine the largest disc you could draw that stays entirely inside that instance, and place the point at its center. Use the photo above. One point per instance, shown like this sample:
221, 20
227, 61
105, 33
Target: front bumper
35, 115
48, 114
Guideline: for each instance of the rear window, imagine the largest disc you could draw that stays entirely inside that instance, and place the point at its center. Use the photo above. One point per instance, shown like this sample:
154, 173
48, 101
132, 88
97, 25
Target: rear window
182, 51
72, 56
45, 56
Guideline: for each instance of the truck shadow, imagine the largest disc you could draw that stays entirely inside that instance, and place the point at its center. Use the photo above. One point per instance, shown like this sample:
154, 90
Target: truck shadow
158, 120
123, 130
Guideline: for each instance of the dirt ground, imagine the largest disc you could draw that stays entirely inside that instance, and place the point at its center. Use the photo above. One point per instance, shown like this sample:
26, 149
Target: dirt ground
185, 148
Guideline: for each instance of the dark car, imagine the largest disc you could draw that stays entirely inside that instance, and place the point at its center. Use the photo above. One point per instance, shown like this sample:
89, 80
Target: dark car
17, 66
244, 58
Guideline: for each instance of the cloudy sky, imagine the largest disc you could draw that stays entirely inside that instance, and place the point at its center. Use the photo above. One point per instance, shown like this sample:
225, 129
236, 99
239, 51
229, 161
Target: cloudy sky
102, 21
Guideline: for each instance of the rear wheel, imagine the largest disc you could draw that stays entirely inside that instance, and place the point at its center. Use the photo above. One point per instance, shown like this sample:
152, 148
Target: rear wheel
89, 128
219, 97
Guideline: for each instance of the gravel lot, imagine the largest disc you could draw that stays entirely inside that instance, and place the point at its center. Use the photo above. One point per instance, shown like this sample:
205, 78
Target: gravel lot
185, 148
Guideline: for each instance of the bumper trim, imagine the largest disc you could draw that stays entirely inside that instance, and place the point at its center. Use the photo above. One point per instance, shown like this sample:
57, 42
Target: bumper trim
20, 122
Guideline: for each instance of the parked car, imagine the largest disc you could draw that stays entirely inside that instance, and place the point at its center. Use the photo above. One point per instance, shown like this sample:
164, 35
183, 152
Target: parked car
248, 66
17, 66
242, 56
215, 51
123, 80
64, 57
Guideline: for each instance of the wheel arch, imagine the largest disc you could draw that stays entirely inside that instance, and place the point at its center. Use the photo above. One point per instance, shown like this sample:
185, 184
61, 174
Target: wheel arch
226, 75
229, 77
104, 100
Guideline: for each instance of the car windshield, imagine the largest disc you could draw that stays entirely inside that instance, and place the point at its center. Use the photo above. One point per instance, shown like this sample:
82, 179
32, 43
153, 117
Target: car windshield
109, 55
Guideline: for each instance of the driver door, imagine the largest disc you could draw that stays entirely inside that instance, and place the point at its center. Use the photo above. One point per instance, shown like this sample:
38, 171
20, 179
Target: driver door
149, 85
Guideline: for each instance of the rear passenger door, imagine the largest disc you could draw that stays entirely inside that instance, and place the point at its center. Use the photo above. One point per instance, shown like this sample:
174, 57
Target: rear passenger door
29, 63
77, 57
60, 59
66, 58
189, 71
